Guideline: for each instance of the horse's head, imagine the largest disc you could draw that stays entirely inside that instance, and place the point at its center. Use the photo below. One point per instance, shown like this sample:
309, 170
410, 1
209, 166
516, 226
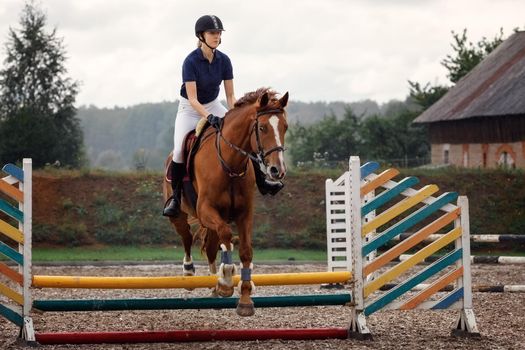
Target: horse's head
270, 128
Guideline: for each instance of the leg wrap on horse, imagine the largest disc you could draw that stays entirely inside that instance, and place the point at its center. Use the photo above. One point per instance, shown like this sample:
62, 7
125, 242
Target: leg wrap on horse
226, 255
227, 269
187, 267
246, 275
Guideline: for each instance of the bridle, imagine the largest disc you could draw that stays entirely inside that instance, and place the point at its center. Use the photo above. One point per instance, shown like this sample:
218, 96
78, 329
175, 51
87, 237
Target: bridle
258, 157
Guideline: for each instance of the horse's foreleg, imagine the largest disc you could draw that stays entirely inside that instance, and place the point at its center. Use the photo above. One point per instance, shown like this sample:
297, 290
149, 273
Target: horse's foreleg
245, 306
227, 269
212, 247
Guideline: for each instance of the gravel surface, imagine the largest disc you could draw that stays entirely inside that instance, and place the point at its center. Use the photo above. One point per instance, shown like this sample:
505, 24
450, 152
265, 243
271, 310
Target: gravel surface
500, 316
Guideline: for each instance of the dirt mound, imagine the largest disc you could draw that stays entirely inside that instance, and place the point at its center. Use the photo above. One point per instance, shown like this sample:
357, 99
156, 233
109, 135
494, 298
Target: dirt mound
80, 209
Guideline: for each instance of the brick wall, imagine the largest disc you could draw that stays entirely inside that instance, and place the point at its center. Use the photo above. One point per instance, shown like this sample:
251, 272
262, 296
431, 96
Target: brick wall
476, 155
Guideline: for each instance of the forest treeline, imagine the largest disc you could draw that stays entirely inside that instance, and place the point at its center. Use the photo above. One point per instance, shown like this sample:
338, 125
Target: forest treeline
141, 136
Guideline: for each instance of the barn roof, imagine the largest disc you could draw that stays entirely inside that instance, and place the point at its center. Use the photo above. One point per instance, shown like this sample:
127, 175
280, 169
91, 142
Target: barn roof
494, 88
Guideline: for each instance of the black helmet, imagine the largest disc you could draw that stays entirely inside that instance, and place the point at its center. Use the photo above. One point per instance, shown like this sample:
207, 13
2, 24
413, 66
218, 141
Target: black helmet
208, 22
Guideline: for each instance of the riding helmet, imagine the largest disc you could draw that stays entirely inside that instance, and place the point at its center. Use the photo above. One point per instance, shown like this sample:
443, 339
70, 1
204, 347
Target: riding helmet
207, 22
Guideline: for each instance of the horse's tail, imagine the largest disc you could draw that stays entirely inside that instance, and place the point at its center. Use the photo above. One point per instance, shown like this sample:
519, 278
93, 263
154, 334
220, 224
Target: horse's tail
202, 234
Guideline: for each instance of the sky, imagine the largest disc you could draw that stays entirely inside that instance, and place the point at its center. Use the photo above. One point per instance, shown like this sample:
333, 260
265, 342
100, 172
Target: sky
127, 52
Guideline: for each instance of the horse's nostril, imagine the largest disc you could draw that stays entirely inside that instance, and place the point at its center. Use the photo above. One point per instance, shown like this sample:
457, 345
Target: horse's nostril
274, 171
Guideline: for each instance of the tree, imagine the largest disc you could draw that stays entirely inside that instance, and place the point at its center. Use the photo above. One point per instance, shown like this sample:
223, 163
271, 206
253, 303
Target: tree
394, 139
427, 95
37, 112
330, 138
467, 55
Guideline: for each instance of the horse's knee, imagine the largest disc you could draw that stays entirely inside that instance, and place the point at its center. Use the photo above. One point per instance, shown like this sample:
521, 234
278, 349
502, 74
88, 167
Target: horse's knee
225, 234
184, 231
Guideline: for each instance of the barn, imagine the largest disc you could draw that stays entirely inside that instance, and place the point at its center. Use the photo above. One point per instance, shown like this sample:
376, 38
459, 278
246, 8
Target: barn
480, 122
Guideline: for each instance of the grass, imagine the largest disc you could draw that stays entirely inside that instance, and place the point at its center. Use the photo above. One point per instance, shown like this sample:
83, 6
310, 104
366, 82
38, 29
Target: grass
152, 253
149, 253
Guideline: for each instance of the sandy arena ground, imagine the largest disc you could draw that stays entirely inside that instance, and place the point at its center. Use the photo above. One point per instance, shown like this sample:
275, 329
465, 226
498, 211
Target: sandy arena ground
500, 316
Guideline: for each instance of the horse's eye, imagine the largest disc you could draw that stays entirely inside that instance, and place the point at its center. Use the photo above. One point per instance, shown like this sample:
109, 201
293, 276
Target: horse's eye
261, 128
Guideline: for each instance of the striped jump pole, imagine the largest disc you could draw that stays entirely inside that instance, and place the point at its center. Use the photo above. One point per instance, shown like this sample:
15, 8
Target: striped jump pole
519, 239
516, 288
352, 202
15, 245
474, 259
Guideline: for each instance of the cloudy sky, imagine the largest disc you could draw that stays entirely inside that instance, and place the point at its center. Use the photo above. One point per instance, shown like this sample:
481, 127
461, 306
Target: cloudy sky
126, 52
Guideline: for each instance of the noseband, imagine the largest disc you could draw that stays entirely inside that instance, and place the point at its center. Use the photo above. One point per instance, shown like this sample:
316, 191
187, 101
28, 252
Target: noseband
256, 157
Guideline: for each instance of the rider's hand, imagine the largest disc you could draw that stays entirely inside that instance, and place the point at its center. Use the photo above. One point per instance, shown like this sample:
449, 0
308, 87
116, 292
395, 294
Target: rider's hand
214, 121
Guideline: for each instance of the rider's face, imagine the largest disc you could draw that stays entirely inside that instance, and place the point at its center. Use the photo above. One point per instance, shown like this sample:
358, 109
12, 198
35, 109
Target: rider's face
213, 38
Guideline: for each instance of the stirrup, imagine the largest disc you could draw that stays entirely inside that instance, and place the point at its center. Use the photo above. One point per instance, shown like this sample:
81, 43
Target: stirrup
171, 207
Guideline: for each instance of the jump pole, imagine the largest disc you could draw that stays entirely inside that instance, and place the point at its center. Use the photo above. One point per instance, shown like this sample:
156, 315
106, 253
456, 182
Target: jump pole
519, 239
92, 282
191, 336
497, 288
187, 303
475, 259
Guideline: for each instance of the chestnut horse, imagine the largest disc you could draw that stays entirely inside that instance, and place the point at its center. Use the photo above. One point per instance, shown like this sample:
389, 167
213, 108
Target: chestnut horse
224, 182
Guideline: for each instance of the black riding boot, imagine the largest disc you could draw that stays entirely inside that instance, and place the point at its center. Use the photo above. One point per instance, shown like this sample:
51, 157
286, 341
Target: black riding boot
264, 185
172, 207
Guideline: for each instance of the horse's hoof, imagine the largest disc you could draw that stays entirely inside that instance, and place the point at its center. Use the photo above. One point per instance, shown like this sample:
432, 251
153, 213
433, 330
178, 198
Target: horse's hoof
245, 310
225, 292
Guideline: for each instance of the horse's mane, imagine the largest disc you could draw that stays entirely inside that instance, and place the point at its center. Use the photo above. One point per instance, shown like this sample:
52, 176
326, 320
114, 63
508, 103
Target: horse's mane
251, 97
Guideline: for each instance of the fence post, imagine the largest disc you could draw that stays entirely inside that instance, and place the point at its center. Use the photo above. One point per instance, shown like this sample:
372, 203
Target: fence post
28, 333
466, 323
358, 327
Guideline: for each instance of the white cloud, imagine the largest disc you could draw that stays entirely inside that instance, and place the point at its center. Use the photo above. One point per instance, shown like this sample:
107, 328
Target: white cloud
130, 51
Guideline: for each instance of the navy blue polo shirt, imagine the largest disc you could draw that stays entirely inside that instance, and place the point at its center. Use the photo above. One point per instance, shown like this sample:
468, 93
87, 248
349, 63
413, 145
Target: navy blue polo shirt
208, 76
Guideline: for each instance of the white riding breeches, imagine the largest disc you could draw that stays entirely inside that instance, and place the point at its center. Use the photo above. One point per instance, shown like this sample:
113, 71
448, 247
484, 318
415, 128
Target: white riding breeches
187, 119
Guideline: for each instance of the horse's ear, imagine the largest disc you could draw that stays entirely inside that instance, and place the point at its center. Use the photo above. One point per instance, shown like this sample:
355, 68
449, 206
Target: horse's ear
263, 100
283, 101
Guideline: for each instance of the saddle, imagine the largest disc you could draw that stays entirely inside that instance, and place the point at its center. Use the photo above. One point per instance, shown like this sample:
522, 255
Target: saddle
191, 143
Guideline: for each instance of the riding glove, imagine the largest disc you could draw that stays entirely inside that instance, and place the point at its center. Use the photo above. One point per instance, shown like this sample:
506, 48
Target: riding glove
214, 121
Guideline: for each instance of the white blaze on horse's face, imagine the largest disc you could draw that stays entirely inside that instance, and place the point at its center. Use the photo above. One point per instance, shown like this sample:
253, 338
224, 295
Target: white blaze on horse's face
274, 122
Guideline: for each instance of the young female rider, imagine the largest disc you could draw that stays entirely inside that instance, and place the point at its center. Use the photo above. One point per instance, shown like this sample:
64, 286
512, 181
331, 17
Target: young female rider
203, 71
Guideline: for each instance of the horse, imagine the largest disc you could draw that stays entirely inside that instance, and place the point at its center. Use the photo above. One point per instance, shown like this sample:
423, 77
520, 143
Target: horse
223, 179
